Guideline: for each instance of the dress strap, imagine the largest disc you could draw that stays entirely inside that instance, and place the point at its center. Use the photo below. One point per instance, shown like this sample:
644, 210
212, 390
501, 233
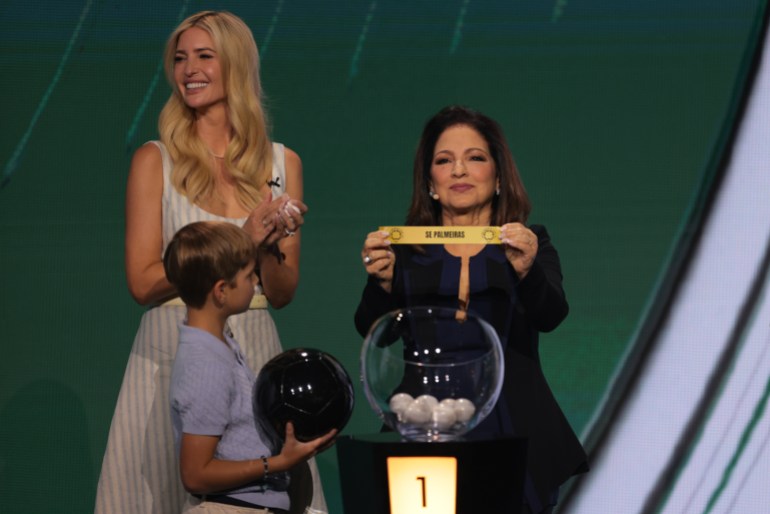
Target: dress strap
278, 179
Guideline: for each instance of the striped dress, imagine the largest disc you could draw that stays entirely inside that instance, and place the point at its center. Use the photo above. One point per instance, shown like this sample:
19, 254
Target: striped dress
140, 473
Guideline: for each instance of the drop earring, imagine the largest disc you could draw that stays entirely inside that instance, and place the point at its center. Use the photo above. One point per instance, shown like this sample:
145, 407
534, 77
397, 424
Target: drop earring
433, 194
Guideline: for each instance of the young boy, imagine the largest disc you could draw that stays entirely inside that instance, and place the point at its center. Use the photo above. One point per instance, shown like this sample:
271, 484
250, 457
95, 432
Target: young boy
223, 460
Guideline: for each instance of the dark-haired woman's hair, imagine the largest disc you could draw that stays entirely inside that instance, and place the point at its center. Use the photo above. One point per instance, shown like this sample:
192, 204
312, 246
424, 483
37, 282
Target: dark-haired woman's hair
512, 204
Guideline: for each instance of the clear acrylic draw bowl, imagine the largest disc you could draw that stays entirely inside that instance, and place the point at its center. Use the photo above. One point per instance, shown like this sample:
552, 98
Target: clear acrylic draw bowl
430, 373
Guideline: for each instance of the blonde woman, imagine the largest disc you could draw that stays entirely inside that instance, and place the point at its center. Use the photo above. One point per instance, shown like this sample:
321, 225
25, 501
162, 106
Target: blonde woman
214, 161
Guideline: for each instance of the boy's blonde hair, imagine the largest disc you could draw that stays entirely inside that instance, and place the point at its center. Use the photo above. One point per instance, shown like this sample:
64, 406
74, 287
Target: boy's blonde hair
249, 156
202, 253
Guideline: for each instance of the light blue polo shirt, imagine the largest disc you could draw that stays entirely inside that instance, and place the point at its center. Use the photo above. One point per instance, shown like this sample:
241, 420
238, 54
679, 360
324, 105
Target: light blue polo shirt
211, 394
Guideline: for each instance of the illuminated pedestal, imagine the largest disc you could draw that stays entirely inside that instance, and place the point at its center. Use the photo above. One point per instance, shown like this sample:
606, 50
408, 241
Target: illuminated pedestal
380, 474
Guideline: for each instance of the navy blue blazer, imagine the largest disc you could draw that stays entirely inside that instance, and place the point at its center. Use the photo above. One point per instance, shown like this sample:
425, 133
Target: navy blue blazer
518, 310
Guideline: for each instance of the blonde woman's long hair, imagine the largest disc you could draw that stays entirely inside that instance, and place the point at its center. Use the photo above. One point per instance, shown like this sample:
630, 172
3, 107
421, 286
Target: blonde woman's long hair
248, 157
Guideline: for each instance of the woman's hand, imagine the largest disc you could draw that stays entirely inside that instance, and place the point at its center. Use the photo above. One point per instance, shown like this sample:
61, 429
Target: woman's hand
290, 216
273, 220
378, 258
520, 245
262, 221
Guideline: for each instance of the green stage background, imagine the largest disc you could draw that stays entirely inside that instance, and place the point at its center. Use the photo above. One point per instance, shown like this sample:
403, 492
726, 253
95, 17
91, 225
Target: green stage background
614, 110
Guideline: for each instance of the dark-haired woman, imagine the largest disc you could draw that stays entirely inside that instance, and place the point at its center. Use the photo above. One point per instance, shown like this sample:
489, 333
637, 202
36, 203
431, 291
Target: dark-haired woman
464, 175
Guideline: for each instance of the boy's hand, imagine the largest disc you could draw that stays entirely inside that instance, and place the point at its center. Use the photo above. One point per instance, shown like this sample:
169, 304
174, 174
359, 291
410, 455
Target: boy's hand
295, 451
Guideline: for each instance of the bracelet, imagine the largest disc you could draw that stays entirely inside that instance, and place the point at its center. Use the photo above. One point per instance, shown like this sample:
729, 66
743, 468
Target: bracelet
267, 468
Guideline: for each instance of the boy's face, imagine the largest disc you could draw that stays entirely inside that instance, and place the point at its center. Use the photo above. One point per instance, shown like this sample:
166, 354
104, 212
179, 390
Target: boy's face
242, 288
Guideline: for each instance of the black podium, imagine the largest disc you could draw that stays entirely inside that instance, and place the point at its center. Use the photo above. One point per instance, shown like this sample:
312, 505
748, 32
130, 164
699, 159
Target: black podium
488, 475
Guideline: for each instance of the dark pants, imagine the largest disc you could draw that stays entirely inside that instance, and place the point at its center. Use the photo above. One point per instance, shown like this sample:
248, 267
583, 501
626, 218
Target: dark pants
526, 510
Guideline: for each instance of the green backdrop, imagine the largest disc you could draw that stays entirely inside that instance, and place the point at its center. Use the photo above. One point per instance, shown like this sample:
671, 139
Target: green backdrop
614, 111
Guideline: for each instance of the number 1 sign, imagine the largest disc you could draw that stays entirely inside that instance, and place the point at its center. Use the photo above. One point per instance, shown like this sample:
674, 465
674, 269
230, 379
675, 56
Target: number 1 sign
424, 485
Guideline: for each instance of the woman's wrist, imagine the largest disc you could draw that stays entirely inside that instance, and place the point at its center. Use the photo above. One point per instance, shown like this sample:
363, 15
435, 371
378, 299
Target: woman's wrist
385, 283
266, 252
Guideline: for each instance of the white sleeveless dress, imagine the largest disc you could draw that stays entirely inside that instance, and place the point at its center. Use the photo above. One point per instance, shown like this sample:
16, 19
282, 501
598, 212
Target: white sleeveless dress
140, 471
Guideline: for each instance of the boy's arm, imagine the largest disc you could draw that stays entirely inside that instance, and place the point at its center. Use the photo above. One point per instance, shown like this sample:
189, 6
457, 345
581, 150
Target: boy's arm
203, 474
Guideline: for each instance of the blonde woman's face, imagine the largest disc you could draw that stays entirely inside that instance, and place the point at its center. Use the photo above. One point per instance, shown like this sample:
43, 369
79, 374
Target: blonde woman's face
197, 70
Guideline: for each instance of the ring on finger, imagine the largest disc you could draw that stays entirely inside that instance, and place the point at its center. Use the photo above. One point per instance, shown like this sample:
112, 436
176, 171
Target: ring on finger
289, 233
367, 259
265, 222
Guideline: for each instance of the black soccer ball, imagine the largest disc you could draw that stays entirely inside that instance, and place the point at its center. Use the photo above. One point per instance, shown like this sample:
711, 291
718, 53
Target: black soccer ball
308, 387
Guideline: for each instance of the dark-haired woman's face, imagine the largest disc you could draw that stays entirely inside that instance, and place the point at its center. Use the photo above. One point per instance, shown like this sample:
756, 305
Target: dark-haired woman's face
463, 173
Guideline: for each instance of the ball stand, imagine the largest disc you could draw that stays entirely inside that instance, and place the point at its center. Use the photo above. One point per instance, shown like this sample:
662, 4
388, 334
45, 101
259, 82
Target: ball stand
383, 474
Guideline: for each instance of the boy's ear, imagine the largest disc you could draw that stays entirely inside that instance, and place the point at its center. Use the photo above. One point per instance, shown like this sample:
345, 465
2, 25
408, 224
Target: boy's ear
219, 291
